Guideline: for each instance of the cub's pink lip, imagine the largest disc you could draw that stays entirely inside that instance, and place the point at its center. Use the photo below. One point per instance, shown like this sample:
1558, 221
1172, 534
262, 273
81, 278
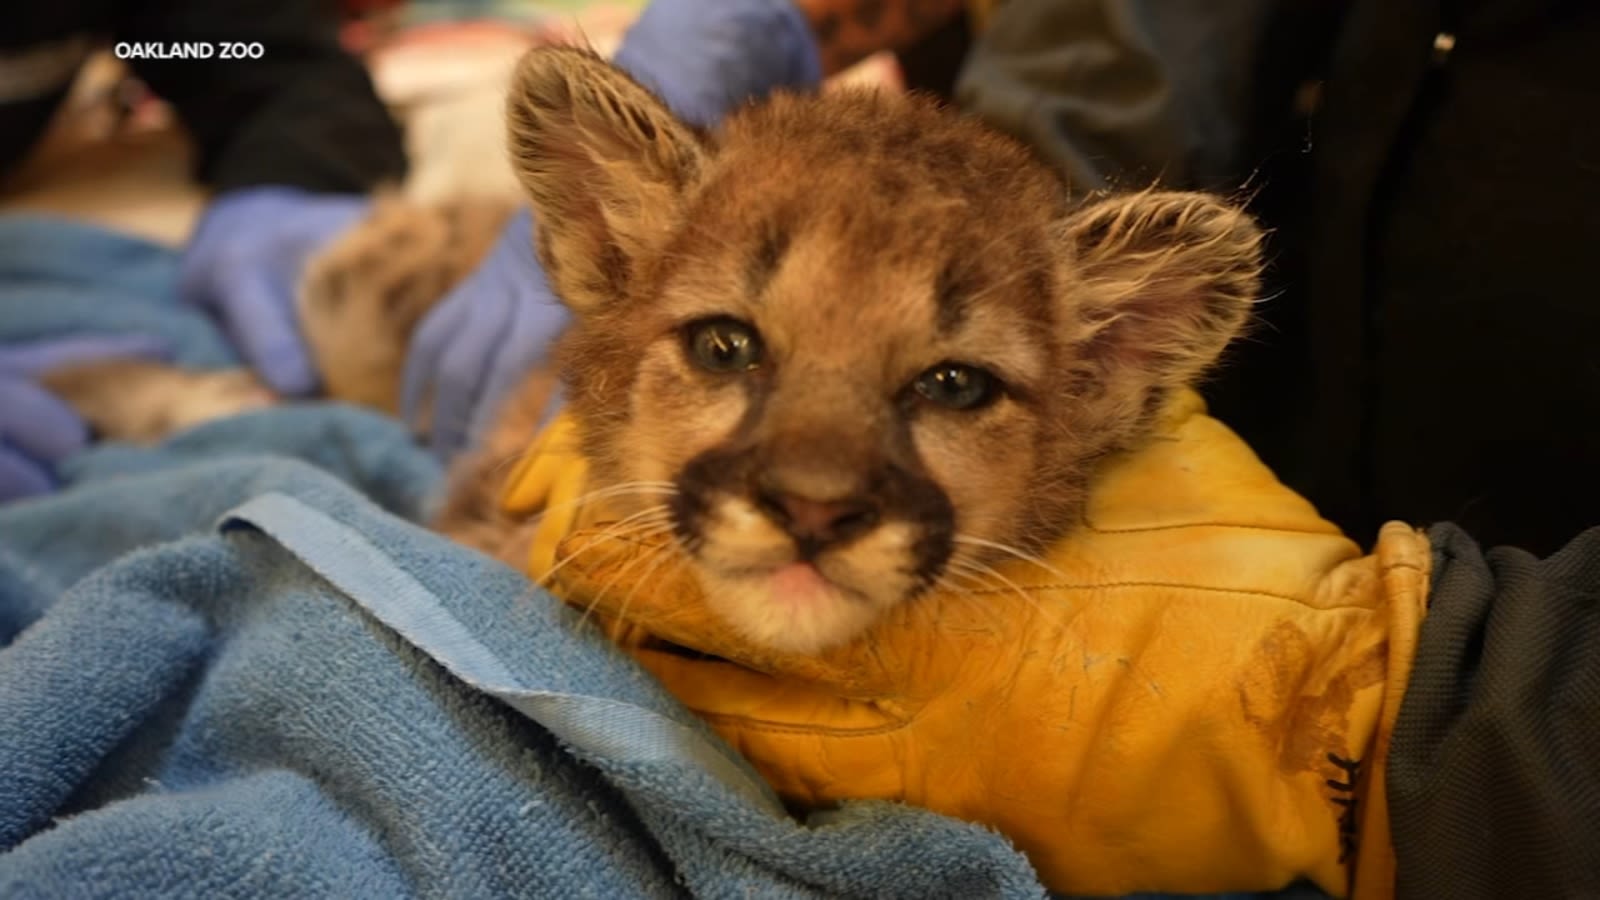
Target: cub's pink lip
801, 578
773, 572
798, 580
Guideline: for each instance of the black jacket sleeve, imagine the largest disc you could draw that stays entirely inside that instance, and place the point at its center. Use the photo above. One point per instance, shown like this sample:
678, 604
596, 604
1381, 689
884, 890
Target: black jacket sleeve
1131, 92
305, 114
1494, 768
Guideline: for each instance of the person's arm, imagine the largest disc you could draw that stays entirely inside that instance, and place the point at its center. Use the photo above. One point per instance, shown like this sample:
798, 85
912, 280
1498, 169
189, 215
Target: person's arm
1131, 92
849, 31
304, 115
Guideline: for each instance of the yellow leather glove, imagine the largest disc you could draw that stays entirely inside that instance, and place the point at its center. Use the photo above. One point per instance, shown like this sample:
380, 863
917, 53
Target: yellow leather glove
1194, 694
549, 481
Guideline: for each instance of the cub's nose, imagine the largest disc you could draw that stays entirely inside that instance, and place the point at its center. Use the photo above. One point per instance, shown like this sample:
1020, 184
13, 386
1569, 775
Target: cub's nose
816, 523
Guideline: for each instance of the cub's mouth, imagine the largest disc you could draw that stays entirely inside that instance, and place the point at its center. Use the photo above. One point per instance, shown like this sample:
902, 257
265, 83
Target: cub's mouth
800, 574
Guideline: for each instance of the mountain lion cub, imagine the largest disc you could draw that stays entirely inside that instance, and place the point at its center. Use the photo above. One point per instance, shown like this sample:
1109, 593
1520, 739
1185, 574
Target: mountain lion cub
845, 347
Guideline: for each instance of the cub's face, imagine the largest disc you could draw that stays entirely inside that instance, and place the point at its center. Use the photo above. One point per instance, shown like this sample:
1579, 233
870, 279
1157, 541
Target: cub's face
850, 349
843, 422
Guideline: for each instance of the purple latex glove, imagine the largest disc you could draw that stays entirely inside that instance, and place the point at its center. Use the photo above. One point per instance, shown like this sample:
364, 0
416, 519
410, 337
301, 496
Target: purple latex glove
37, 430
480, 340
704, 59
243, 266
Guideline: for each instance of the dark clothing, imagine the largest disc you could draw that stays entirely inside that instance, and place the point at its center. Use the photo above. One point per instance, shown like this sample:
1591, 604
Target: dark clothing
1427, 353
303, 115
1494, 768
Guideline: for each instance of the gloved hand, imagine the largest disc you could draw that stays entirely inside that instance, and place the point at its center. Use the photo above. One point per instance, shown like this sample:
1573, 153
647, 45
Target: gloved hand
243, 266
479, 341
37, 430
1193, 693
704, 59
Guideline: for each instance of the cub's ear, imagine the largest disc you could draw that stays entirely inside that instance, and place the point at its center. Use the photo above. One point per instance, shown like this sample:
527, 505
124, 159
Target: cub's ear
1160, 283
606, 167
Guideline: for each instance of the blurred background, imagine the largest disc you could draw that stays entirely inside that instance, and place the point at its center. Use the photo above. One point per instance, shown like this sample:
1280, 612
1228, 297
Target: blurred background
115, 157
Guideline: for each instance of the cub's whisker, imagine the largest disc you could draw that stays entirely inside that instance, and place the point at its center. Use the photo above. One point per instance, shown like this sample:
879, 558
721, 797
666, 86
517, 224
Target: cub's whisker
662, 556
652, 554
985, 571
971, 588
1010, 551
645, 523
642, 488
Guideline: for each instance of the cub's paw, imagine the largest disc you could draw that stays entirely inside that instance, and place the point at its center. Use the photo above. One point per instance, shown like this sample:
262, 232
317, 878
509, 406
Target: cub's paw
362, 297
143, 402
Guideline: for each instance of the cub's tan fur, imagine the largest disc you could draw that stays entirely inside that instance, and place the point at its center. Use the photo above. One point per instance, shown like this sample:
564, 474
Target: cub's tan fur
867, 245
141, 401
362, 297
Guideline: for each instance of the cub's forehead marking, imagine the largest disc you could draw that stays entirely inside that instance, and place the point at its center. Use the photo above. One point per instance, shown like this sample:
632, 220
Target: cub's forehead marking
766, 254
954, 289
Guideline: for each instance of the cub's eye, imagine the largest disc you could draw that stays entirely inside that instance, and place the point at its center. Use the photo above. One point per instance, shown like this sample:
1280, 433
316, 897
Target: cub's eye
723, 345
955, 386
